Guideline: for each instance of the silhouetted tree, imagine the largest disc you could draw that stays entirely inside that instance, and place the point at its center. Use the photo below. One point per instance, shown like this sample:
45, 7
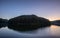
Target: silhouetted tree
28, 22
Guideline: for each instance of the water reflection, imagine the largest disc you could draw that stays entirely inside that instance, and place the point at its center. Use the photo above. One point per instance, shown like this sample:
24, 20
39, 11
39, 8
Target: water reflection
55, 30
48, 31
24, 30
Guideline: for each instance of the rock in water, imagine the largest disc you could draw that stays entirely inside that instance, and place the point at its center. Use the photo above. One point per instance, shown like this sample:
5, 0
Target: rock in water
27, 22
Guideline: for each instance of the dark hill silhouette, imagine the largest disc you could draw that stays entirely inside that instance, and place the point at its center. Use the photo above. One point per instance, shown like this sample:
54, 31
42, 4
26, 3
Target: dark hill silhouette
3, 22
28, 22
56, 22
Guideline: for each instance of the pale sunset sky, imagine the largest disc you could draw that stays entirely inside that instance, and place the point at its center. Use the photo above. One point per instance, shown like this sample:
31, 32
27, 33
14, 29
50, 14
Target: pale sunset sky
49, 9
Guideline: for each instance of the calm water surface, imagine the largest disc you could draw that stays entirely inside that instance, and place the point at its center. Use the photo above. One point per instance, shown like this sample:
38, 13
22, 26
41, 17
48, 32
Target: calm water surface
45, 32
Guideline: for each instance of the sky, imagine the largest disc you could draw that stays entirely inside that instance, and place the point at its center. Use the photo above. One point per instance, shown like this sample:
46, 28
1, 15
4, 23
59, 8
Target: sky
49, 9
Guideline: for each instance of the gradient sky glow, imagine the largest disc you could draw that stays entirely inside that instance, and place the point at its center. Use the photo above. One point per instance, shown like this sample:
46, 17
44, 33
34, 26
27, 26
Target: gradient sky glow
46, 9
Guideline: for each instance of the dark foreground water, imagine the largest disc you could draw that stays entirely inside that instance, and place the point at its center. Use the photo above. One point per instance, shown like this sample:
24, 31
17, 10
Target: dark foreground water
53, 31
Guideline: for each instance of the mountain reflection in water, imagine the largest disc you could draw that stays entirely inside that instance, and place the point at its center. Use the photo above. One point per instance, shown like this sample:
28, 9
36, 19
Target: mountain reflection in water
45, 32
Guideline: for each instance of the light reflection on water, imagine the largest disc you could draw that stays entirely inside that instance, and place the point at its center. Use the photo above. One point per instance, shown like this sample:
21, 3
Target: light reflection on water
55, 30
49, 31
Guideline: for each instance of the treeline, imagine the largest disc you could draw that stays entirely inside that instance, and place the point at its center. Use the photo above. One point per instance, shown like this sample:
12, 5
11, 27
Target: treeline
56, 22
26, 22
3, 22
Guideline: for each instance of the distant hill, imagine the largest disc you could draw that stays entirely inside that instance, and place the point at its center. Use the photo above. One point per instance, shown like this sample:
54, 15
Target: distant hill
28, 22
3, 22
56, 22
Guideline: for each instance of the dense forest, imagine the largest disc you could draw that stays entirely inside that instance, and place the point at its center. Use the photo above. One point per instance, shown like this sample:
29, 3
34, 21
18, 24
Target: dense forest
28, 22
3, 22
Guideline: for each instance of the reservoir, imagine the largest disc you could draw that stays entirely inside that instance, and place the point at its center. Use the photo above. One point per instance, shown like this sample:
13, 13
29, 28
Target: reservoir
52, 31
